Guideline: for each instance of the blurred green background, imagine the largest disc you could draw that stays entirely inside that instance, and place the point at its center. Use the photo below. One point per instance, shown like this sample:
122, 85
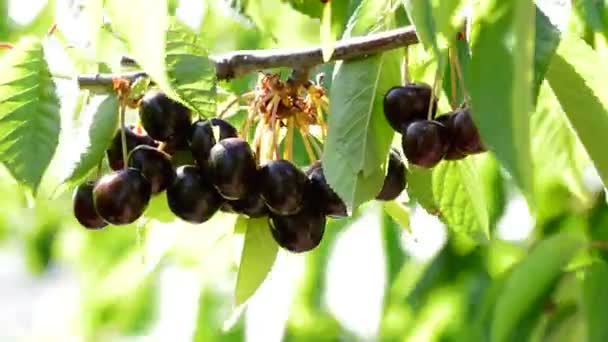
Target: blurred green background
370, 279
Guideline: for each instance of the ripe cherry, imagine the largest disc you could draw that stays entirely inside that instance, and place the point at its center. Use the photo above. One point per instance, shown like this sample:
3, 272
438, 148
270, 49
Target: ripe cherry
300, 232
133, 138
406, 104
155, 165
252, 205
122, 196
191, 196
330, 203
394, 181
202, 138
464, 133
165, 119
425, 143
84, 208
452, 152
232, 166
283, 186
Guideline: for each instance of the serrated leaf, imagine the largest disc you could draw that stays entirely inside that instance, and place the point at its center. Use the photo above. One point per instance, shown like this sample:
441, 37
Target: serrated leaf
359, 137
595, 293
29, 113
191, 72
144, 34
502, 97
259, 252
577, 75
530, 279
452, 192
99, 124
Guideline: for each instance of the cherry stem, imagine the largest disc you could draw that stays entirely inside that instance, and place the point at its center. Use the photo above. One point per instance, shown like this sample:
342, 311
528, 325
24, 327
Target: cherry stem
430, 115
452, 79
405, 72
123, 134
288, 153
315, 145
7, 46
52, 30
456, 65
309, 151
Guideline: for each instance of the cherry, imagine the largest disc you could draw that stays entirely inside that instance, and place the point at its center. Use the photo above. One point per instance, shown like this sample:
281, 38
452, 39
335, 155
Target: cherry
406, 104
191, 196
122, 196
464, 133
425, 143
232, 166
133, 138
252, 205
394, 181
283, 186
155, 165
84, 208
452, 152
202, 138
300, 232
330, 203
165, 119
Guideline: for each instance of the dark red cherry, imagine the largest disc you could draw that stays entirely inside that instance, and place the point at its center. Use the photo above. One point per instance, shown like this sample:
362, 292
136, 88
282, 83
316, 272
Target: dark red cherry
300, 232
202, 138
394, 181
133, 138
191, 196
84, 208
165, 119
155, 165
232, 167
464, 133
328, 201
121, 197
406, 104
452, 152
283, 186
425, 143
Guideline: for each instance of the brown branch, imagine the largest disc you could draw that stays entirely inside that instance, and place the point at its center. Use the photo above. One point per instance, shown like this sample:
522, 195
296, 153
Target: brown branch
238, 63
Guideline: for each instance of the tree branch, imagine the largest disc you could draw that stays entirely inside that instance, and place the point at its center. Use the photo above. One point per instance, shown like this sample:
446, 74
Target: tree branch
238, 63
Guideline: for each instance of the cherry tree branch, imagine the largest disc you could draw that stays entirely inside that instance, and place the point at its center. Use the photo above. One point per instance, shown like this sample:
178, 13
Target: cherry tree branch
238, 63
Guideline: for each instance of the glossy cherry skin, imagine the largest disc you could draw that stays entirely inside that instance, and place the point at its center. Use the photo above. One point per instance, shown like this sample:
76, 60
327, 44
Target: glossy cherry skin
452, 153
165, 119
84, 208
191, 196
300, 232
425, 143
395, 179
232, 166
121, 197
155, 165
283, 186
329, 202
464, 134
406, 104
133, 138
202, 138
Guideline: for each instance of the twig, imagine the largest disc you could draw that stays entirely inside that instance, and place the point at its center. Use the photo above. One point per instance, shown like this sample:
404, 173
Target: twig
238, 63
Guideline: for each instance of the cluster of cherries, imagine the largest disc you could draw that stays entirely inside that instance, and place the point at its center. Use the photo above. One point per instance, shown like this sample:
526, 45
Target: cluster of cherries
223, 174
425, 143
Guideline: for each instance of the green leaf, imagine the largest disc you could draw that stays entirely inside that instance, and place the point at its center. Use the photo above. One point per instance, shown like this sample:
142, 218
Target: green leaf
502, 97
259, 252
99, 124
547, 38
577, 75
333, 19
142, 24
359, 137
420, 13
191, 72
29, 113
530, 279
398, 212
452, 192
310, 8
595, 292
